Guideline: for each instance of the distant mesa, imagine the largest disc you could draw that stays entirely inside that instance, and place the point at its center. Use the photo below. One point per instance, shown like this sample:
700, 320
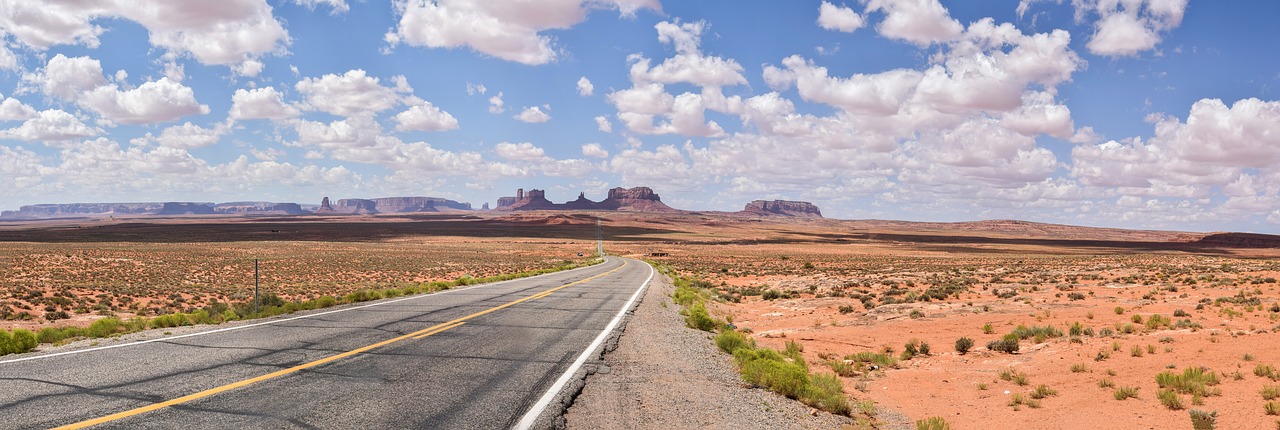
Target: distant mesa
259, 208
57, 210
186, 208
356, 206
638, 199
783, 208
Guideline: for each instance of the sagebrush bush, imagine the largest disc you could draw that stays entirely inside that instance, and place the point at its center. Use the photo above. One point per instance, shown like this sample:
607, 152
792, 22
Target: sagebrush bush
1006, 345
963, 345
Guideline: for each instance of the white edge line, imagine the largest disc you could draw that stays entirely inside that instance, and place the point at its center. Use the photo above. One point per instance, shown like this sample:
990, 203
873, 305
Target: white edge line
527, 421
241, 327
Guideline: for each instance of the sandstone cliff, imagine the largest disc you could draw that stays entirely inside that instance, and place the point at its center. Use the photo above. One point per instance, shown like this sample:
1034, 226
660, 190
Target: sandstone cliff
259, 208
783, 208
418, 204
638, 199
356, 206
186, 208
80, 209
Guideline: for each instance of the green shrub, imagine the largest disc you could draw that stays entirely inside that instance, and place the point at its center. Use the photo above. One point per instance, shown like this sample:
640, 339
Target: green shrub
23, 340
7, 345
1169, 399
878, 359
827, 393
1192, 380
933, 423
697, 317
730, 341
1126, 392
1270, 392
1043, 391
1266, 370
1009, 344
767, 368
105, 327
846, 309
963, 345
841, 368
1201, 420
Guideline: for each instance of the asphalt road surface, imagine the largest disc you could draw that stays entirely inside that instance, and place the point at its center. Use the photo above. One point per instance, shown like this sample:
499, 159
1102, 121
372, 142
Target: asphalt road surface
473, 358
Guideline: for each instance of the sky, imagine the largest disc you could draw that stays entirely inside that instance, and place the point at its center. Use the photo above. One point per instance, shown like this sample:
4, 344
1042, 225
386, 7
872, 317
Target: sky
1153, 114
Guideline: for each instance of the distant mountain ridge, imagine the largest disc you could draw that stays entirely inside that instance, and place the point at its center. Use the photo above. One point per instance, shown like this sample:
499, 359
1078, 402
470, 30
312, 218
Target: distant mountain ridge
635, 199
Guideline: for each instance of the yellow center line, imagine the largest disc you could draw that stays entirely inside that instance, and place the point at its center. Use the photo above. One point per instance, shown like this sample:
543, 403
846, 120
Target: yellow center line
234, 385
429, 333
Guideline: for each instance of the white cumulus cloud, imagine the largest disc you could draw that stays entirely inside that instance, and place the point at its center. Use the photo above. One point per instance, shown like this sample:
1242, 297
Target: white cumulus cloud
533, 115
838, 18
260, 103
155, 101
506, 29
584, 87
425, 117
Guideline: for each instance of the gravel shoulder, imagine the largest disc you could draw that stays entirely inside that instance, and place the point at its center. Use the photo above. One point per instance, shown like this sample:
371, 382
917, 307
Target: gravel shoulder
665, 375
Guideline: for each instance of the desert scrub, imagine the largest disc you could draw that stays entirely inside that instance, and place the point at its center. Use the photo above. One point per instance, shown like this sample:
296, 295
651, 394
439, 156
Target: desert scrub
731, 340
1197, 381
1079, 368
1008, 344
1126, 392
932, 423
1201, 420
1018, 399
788, 375
1271, 408
866, 359
1169, 399
1270, 392
1266, 370
1043, 391
963, 345
17, 342
1014, 376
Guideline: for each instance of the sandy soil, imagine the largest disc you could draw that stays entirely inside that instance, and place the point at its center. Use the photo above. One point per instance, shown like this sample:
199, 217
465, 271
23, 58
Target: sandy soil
1227, 337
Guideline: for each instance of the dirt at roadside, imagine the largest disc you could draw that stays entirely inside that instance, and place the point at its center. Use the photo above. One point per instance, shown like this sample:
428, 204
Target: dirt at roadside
665, 375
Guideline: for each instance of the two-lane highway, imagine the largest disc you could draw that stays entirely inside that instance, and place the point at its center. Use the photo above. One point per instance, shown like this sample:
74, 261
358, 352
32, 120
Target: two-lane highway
478, 357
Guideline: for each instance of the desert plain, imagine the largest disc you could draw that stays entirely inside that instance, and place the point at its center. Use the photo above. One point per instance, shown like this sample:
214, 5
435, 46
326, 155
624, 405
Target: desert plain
1095, 314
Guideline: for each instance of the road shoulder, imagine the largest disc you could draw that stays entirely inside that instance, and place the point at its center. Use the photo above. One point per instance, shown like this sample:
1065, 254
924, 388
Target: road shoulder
661, 374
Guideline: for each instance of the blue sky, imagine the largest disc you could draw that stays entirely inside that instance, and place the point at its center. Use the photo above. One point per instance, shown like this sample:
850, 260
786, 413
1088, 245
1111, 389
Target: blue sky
1155, 114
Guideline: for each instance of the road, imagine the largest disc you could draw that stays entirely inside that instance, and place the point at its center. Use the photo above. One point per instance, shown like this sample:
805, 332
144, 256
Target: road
472, 358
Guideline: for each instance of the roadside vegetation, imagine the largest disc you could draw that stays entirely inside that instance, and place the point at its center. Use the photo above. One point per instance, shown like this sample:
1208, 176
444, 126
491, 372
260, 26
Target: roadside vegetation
784, 372
21, 340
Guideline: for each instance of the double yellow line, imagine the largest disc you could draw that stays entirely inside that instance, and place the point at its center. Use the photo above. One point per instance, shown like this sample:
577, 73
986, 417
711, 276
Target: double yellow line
234, 385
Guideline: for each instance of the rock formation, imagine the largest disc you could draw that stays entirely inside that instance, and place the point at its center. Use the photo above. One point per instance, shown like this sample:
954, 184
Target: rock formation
325, 207
80, 209
418, 204
259, 208
186, 208
356, 206
784, 208
638, 199
485, 206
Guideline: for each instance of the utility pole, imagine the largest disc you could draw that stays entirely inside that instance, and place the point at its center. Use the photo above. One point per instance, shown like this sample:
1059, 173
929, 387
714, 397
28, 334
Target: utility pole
255, 286
599, 238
